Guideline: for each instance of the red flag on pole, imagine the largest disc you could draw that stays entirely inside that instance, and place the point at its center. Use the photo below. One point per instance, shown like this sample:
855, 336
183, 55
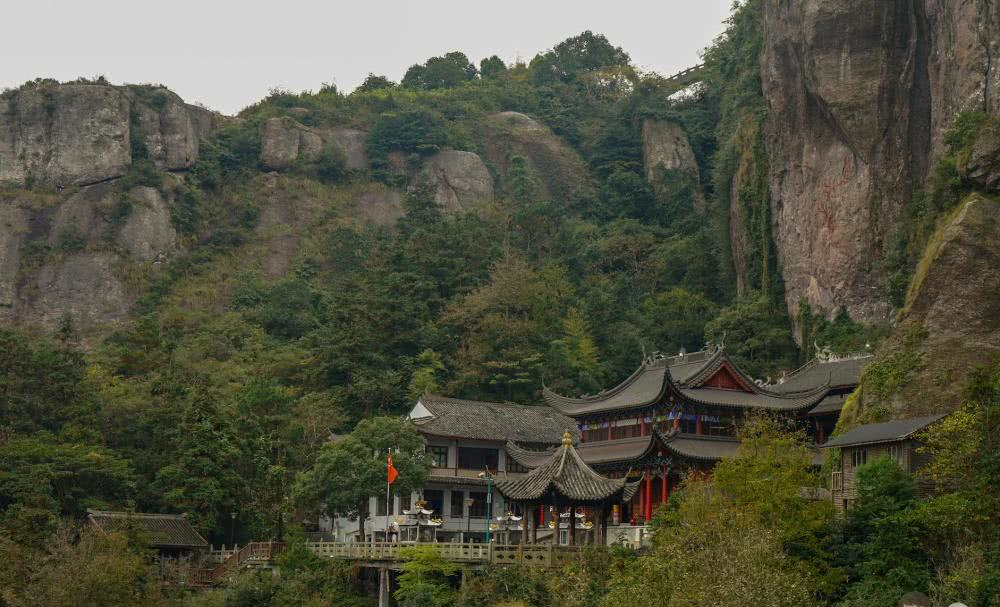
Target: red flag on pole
392, 470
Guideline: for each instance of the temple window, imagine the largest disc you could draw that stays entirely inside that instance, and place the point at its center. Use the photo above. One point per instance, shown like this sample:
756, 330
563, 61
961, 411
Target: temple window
439, 456
478, 458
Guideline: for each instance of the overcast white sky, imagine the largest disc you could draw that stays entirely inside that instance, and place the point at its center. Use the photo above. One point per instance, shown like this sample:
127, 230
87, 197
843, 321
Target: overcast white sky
227, 54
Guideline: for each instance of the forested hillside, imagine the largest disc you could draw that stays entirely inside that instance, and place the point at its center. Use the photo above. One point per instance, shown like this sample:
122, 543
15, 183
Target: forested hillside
195, 302
325, 257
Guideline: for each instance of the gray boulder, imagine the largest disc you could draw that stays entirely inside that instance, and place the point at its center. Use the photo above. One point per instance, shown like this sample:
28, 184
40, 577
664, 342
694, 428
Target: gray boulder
283, 141
460, 179
666, 146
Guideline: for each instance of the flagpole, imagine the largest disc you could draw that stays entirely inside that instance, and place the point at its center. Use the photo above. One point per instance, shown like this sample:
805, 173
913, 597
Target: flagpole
388, 505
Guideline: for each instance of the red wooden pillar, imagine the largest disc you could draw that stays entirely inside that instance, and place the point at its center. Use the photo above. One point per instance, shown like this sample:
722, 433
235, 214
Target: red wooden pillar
663, 486
642, 502
677, 422
822, 438
541, 515
611, 427
642, 429
697, 425
649, 495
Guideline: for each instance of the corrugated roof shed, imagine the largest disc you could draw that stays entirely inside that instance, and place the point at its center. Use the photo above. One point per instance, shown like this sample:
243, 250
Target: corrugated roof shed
885, 432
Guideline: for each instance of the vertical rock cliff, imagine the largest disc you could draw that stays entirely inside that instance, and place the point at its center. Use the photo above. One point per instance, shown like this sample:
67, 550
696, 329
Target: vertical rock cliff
858, 95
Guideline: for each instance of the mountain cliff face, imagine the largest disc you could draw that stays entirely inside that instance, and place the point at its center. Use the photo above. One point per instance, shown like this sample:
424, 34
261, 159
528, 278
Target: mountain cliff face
859, 94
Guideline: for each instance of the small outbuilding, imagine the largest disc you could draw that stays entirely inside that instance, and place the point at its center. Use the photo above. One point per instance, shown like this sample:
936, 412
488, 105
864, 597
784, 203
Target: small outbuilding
896, 440
173, 538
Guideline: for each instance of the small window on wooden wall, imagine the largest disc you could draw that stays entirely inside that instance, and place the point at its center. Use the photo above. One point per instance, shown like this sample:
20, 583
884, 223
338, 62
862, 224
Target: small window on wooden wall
859, 457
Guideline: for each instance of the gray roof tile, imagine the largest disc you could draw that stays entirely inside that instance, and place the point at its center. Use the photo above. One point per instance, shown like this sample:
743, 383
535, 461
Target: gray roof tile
164, 530
882, 433
490, 421
565, 474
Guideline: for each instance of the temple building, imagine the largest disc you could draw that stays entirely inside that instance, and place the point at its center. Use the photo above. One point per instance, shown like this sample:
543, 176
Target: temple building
673, 415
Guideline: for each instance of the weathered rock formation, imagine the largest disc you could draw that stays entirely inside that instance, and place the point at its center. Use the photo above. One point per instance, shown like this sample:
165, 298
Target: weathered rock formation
665, 146
284, 141
84, 286
77, 134
353, 143
460, 180
560, 173
951, 322
982, 163
13, 232
858, 93
170, 129
148, 233
68, 134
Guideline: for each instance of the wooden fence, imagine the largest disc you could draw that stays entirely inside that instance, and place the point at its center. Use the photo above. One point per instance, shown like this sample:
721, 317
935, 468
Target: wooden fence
539, 555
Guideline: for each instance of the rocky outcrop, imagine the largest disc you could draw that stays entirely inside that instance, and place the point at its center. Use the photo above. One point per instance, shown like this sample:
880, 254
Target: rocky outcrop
283, 141
85, 287
460, 180
77, 134
66, 135
858, 93
13, 231
665, 146
980, 164
353, 143
148, 233
84, 214
169, 128
962, 63
951, 322
560, 173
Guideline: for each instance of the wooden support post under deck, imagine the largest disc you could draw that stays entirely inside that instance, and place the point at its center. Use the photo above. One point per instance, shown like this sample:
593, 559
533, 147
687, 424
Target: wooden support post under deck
572, 525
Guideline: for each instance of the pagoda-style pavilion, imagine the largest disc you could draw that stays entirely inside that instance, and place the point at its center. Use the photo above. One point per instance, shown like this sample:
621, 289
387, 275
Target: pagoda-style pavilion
563, 480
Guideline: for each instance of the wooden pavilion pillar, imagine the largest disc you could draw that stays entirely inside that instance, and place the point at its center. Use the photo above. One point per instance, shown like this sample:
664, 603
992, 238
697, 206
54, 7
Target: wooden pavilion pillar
642, 501
697, 425
572, 525
664, 492
649, 495
534, 525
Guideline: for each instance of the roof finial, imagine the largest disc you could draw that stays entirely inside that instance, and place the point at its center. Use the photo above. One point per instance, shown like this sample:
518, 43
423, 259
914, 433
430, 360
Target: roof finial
567, 439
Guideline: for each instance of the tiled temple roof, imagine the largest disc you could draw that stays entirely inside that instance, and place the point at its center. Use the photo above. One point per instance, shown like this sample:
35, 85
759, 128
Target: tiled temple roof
163, 530
686, 374
838, 373
626, 450
885, 432
489, 421
564, 473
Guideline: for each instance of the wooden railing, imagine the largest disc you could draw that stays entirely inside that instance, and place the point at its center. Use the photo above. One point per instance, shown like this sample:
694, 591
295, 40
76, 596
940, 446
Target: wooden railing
254, 553
528, 554
263, 553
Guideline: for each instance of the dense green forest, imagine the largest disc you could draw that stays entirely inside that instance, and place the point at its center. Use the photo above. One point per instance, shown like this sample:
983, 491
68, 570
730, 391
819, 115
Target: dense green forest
221, 391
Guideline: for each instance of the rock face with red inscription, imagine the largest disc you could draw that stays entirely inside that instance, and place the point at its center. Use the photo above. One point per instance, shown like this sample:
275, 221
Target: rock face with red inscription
858, 94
